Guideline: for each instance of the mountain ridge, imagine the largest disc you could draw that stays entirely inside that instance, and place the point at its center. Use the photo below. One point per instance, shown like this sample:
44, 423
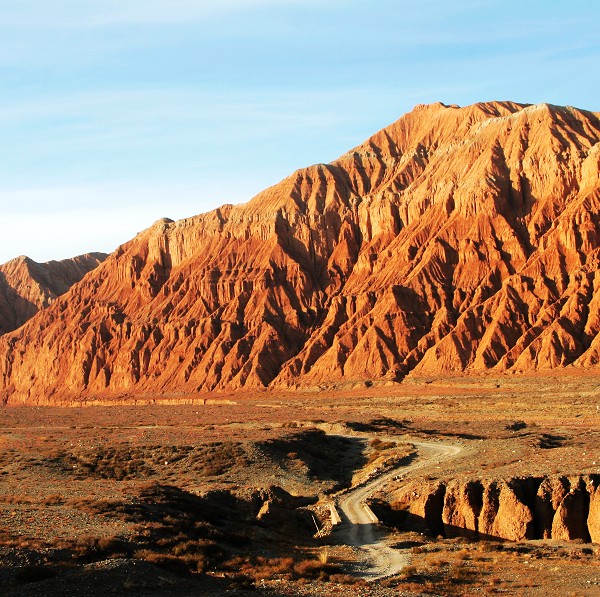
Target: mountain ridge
26, 286
453, 240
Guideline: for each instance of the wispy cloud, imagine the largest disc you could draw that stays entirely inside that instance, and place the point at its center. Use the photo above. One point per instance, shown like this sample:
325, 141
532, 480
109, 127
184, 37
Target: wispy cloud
81, 13
149, 200
178, 125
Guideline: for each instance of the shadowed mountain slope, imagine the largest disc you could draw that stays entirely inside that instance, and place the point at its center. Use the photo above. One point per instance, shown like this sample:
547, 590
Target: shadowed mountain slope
456, 239
27, 286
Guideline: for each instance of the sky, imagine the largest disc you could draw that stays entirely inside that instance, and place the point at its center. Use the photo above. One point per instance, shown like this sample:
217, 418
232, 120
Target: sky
115, 113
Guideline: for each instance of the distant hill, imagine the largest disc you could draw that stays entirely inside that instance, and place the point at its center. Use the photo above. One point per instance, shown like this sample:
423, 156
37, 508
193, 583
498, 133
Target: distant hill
27, 286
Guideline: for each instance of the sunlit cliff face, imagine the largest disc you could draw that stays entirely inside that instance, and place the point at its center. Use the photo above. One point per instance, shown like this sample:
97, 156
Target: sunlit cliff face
455, 240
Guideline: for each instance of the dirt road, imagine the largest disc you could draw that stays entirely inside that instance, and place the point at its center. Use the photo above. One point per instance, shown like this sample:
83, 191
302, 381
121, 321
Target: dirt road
359, 526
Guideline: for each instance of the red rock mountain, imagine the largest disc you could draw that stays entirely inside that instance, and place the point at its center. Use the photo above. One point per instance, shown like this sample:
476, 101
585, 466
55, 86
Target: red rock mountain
456, 239
27, 286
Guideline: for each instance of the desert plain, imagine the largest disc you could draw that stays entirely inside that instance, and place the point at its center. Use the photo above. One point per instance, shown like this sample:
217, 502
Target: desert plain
232, 493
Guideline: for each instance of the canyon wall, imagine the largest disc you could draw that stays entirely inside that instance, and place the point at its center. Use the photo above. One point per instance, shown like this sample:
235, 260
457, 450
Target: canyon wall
454, 240
515, 509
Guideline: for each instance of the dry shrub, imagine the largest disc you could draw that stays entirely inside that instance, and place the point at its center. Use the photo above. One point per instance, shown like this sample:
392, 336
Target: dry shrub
408, 572
347, 579
173, 564
489, 546
314, 569
263, 568
90, 548
274, 568
184, 546
380, 445
459, 573
54, 499
90, 505
19, 541
124, 462
15, 499
462, 554
438, 562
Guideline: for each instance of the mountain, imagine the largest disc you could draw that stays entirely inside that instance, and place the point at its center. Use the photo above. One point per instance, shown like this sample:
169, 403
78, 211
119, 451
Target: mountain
454, 240
27, 286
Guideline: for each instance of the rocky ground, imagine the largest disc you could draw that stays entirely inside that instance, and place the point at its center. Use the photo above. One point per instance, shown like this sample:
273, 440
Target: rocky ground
223, 498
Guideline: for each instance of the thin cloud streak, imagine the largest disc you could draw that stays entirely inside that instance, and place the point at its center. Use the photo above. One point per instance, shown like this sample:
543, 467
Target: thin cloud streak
94, 13
174, 129
155, 95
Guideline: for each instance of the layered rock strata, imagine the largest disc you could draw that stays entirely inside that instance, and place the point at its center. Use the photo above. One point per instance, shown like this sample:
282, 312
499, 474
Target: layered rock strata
557, 507
454, 240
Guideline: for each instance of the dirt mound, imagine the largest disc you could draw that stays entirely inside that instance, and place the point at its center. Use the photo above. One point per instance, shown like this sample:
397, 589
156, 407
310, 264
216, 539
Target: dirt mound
456, 239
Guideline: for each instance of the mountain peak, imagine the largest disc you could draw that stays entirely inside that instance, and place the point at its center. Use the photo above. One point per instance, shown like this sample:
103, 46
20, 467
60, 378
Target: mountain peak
457, 239
27, 286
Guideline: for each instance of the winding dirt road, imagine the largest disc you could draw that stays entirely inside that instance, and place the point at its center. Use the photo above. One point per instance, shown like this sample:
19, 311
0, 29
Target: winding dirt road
359, 526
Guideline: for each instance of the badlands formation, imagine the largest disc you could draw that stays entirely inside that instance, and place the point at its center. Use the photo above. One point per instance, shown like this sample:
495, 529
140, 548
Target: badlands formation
27, 286
549, 507
458, 240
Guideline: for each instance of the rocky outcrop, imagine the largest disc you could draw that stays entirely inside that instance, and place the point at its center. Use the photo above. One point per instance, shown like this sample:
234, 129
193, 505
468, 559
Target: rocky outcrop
506, 510
550, 495
593, 521
280, 510
27, 286
416, 507
570, 520
562, 508
454, 240
462, 507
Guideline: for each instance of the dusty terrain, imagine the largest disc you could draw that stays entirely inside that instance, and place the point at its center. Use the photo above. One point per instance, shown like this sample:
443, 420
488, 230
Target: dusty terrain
173, 499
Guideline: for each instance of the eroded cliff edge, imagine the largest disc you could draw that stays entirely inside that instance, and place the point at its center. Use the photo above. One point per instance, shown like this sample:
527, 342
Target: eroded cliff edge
558, 507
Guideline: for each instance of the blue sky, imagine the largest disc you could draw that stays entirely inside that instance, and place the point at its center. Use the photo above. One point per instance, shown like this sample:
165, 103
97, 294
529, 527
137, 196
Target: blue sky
114, 113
